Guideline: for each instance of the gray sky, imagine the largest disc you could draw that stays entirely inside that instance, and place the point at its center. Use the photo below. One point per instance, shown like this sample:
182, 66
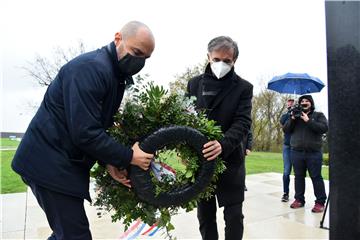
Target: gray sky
274, 37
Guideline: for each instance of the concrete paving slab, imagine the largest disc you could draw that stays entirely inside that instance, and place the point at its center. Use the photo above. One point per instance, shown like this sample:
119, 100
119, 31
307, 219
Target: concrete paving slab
261, 177
12, 235
13, 203
262, 209
282, 228
306, 217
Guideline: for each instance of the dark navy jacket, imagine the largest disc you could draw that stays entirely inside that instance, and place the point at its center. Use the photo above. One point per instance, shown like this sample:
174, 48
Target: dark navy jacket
283, 119
68, 133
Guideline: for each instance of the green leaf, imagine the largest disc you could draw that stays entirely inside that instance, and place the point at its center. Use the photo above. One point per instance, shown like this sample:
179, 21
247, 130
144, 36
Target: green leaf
147, 108
188, 174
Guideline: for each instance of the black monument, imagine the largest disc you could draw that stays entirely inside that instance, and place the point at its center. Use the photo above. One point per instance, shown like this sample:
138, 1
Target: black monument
343, 54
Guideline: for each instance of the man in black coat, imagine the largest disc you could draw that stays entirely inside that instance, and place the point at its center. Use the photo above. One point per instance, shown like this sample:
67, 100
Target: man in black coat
248, 147
68, 133
226, 98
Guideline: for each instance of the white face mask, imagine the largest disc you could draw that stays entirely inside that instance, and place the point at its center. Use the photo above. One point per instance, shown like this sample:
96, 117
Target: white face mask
220, 69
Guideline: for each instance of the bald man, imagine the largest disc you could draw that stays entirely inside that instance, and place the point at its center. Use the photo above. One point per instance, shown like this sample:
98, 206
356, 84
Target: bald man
68, 133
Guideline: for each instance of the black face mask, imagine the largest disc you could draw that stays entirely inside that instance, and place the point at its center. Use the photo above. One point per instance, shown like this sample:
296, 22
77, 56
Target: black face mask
305, 106
130, 65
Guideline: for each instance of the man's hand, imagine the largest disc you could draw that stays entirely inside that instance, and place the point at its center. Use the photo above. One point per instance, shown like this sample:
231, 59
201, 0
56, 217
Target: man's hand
141, 158
304, 117
247, 152
118, 175
292, 115
211, 150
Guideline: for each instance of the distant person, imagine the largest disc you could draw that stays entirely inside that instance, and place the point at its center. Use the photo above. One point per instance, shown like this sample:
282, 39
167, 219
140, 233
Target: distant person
68, 132
226, 98
248, 147
286, 152
307, 127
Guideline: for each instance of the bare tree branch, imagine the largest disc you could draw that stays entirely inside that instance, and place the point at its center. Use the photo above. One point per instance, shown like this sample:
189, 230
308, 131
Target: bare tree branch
43, 70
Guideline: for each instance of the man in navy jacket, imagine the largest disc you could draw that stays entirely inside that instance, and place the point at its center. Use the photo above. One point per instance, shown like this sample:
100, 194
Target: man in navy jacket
68, 133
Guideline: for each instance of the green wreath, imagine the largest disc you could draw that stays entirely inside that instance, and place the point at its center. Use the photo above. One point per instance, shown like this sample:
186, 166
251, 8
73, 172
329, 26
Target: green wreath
148, 109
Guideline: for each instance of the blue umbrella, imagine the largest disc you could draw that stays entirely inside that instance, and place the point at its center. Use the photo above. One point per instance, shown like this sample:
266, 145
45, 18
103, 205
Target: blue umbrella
296, 83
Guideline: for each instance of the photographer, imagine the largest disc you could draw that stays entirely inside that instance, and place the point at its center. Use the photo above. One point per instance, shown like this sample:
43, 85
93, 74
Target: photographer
306, 128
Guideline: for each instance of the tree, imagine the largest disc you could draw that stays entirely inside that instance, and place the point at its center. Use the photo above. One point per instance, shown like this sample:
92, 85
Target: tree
268, 106
44, 70
180, 83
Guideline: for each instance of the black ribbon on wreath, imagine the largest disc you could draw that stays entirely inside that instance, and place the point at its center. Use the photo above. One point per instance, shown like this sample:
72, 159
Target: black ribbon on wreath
141, 179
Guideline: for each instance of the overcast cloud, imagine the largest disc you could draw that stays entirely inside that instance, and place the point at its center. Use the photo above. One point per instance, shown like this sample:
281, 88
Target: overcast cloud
274, 37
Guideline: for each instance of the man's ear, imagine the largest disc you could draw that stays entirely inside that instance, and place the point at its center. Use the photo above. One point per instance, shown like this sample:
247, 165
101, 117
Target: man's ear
235, 60
208, 57
118, 38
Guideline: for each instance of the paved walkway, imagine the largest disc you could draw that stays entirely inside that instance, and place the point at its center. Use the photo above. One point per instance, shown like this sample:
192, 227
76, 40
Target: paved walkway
266, 217
2, 148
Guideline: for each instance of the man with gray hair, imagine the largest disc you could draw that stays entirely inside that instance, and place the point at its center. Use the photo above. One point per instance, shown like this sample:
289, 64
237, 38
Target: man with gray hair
226, 98
68, 133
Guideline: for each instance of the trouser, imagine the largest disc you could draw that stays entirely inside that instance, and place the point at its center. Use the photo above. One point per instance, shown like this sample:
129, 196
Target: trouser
311, 161
287, 168
65, 214
233, 216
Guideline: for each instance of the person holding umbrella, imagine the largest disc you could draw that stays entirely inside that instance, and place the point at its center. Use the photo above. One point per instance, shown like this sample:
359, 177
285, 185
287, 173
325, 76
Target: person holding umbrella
306, 128
286, 151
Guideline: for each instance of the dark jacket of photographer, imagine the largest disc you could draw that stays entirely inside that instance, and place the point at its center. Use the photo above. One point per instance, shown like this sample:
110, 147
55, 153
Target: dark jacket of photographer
307, 136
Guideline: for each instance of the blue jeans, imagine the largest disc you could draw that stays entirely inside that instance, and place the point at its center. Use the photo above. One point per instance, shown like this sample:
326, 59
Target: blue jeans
287, 168
311, 162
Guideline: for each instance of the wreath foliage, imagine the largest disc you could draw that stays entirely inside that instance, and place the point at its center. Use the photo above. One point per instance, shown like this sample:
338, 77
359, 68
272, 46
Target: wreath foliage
146, 109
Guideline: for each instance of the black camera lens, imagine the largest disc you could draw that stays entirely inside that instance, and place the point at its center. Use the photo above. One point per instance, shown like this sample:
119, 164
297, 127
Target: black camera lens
297, 110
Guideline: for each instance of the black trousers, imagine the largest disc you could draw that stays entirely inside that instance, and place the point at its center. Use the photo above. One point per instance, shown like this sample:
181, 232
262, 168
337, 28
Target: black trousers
65, 214
312, 162
233, 216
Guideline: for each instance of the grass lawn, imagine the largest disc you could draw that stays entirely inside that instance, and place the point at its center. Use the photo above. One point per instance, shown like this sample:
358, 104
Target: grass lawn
256, 162
260, 162
10, 181
6, 142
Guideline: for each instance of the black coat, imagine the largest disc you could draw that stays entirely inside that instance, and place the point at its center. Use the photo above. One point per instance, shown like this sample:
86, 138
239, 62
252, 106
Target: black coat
68, 132
231, 109
249, 141
307, 135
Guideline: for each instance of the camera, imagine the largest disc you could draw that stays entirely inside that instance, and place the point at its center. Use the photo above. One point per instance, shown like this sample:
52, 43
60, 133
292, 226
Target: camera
296, 111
